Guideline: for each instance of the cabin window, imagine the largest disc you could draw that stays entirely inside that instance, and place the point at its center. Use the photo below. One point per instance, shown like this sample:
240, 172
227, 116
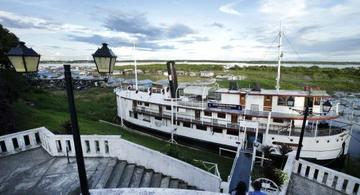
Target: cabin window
207, 113
278, 120
221, 115
139, 103
168, 107
146, 118
146, 104
249, 118
201, 127
286, 101
282, 101
232, 132
158, 118
317, 100
217, 130
186, 124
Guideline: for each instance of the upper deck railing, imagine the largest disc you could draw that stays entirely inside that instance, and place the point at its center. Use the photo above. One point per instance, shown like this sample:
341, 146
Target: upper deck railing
276, 129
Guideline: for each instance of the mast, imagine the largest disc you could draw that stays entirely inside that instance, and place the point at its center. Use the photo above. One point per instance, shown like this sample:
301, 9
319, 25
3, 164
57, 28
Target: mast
136, 79
280, 55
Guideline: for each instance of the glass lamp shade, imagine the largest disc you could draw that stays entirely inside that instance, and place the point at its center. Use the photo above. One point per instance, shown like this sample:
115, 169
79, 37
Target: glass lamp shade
104, 59
327, 106
290, 101
24, 59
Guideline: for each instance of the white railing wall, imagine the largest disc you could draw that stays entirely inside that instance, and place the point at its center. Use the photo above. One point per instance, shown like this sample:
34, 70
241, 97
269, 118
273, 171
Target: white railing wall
115, 146
20, 141
331, 178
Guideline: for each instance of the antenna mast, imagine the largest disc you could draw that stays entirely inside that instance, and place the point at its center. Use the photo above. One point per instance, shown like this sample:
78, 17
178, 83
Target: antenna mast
279, 60
135, 64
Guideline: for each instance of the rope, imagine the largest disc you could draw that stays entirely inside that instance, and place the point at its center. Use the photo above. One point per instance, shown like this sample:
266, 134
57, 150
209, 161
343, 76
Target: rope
288, 41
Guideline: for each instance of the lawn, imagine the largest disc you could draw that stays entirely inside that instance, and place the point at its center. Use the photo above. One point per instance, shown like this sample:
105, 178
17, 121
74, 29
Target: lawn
49, 109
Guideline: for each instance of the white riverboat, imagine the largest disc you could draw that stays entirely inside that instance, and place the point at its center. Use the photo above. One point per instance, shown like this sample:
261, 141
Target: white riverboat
229, 117
235, 118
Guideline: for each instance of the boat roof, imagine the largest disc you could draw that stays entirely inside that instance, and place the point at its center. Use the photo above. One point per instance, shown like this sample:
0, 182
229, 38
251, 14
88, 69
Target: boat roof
273, 92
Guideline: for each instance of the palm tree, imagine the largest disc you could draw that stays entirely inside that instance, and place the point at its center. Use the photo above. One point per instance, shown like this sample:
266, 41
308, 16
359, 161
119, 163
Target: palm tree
284, 149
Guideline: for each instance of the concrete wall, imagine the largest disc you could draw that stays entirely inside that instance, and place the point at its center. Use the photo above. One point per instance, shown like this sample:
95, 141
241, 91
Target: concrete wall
299, 186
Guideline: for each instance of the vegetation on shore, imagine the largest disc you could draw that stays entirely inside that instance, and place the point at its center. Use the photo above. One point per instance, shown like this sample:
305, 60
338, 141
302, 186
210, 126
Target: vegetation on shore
329, 79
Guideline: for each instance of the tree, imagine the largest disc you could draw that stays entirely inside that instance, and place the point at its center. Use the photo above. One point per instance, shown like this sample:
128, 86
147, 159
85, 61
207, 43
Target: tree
10, 82
7, 41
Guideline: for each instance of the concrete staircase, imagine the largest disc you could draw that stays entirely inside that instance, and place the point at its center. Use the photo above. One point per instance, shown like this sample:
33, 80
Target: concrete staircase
120, 174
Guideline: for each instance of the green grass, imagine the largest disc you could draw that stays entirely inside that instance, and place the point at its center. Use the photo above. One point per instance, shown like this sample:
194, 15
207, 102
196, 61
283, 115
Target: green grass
49, 109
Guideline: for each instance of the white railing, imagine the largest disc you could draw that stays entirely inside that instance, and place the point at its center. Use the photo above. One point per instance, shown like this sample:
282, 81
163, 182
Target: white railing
331, 178
114, 146
20, 141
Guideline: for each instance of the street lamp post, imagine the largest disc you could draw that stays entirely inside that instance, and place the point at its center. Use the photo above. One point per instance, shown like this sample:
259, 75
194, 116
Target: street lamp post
26, 60
306, 113
75, 130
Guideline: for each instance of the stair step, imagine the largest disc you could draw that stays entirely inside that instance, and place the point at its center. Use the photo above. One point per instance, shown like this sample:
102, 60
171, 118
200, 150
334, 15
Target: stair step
95, 178
174, 183
145, 181
106, 175
183, 185
126, 176
156, 180
137, 176
116, 174
165, 182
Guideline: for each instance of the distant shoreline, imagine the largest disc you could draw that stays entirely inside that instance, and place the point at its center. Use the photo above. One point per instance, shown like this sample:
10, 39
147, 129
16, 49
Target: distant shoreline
213, 61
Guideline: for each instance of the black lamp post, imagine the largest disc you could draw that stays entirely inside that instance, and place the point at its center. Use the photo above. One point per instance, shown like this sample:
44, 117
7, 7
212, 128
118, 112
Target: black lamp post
27, 60
24, 59
104, 59
306, 113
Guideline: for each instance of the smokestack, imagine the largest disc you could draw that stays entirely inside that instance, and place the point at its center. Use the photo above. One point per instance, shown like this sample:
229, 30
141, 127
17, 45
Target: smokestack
172, 78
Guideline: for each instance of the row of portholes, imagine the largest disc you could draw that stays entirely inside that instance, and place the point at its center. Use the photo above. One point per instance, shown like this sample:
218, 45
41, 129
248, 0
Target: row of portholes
317, 141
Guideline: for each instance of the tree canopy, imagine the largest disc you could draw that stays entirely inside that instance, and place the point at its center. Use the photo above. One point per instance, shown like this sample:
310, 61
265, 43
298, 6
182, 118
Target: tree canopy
7, 41
10, 82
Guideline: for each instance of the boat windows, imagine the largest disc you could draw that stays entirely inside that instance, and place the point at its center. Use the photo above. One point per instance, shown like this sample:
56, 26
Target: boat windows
232, 132
139, 103
146, 104
249, 118
217, 130
146, 118
201, 127
278, 120
221, 115
186, 124
286, 101
207, 113
159, 118
317, 100
168, 107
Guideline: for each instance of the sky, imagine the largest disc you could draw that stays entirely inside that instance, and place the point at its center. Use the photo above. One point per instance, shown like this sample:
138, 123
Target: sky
327, 30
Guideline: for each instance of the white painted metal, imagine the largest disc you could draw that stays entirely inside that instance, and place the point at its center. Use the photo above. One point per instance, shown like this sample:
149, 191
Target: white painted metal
280, 55
135, 64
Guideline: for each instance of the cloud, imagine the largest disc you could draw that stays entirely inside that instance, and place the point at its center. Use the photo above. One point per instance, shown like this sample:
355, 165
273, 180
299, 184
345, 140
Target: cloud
283, 9
218, 25
229, 8
138, 24
227, 47
119, 42
12, 20
178, 30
